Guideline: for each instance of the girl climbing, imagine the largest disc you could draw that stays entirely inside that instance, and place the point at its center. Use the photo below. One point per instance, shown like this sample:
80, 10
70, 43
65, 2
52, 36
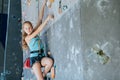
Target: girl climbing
31, 40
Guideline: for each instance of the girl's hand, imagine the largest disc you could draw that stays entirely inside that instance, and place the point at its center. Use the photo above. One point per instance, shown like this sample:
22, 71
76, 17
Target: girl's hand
50, 17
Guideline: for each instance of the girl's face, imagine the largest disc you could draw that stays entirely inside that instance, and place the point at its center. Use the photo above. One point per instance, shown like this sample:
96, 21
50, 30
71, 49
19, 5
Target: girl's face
27, 28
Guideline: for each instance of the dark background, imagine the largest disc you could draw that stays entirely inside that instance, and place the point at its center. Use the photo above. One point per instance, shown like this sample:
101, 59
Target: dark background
10, 37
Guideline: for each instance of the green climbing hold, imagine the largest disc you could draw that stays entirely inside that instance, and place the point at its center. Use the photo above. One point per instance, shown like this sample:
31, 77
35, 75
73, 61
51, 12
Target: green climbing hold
65, 7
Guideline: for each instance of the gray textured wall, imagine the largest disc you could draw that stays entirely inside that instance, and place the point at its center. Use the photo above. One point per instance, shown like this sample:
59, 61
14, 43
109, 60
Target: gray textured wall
65, 44
100, 22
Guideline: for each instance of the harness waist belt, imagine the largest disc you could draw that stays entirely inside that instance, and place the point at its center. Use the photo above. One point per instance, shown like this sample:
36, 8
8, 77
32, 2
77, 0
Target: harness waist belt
37, 51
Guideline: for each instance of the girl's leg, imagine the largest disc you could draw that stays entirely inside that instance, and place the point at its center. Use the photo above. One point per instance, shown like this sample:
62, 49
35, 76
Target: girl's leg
47, 63
37, 70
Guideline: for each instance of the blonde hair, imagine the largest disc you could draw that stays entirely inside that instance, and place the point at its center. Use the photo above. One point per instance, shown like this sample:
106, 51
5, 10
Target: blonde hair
24, 34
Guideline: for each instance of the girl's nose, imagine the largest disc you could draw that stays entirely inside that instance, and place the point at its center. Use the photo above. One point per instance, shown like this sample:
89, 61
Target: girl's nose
29, 29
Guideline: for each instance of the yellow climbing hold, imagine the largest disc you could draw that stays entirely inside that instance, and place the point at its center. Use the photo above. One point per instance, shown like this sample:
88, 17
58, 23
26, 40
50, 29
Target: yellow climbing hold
51, 1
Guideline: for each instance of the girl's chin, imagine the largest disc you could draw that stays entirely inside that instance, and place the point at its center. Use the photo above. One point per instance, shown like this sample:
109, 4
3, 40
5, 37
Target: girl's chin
29, 33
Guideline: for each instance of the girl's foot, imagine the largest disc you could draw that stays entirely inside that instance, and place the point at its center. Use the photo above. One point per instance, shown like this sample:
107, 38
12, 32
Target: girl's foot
53, 72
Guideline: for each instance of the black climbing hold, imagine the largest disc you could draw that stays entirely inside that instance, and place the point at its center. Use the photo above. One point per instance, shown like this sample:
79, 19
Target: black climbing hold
13, 16
19, 19
60, 4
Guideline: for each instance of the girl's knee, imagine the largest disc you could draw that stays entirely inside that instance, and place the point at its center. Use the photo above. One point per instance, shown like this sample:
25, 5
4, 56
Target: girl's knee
47, 61
50, 62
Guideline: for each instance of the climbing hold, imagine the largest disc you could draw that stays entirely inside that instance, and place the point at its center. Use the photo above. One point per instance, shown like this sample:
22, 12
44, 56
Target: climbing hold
8, 72
49, 53
13, 16
54, 66
102, 56
65, 7
19, 19
60, 4
60, 9
28, 2
49, 3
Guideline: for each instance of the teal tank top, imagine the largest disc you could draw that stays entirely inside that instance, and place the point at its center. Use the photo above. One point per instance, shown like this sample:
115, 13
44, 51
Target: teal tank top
35, 44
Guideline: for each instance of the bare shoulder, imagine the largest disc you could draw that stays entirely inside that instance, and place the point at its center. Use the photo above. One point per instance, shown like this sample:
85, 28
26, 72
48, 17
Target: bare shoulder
27, 39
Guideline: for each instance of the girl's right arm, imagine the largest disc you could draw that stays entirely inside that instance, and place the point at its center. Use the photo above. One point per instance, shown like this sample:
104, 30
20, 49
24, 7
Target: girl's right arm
40, 28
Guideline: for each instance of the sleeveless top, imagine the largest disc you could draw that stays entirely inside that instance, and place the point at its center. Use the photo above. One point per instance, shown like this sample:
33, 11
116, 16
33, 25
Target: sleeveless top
35, 44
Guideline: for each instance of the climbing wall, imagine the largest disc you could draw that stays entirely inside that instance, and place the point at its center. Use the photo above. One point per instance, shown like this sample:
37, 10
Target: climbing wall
66, 46
30, 11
